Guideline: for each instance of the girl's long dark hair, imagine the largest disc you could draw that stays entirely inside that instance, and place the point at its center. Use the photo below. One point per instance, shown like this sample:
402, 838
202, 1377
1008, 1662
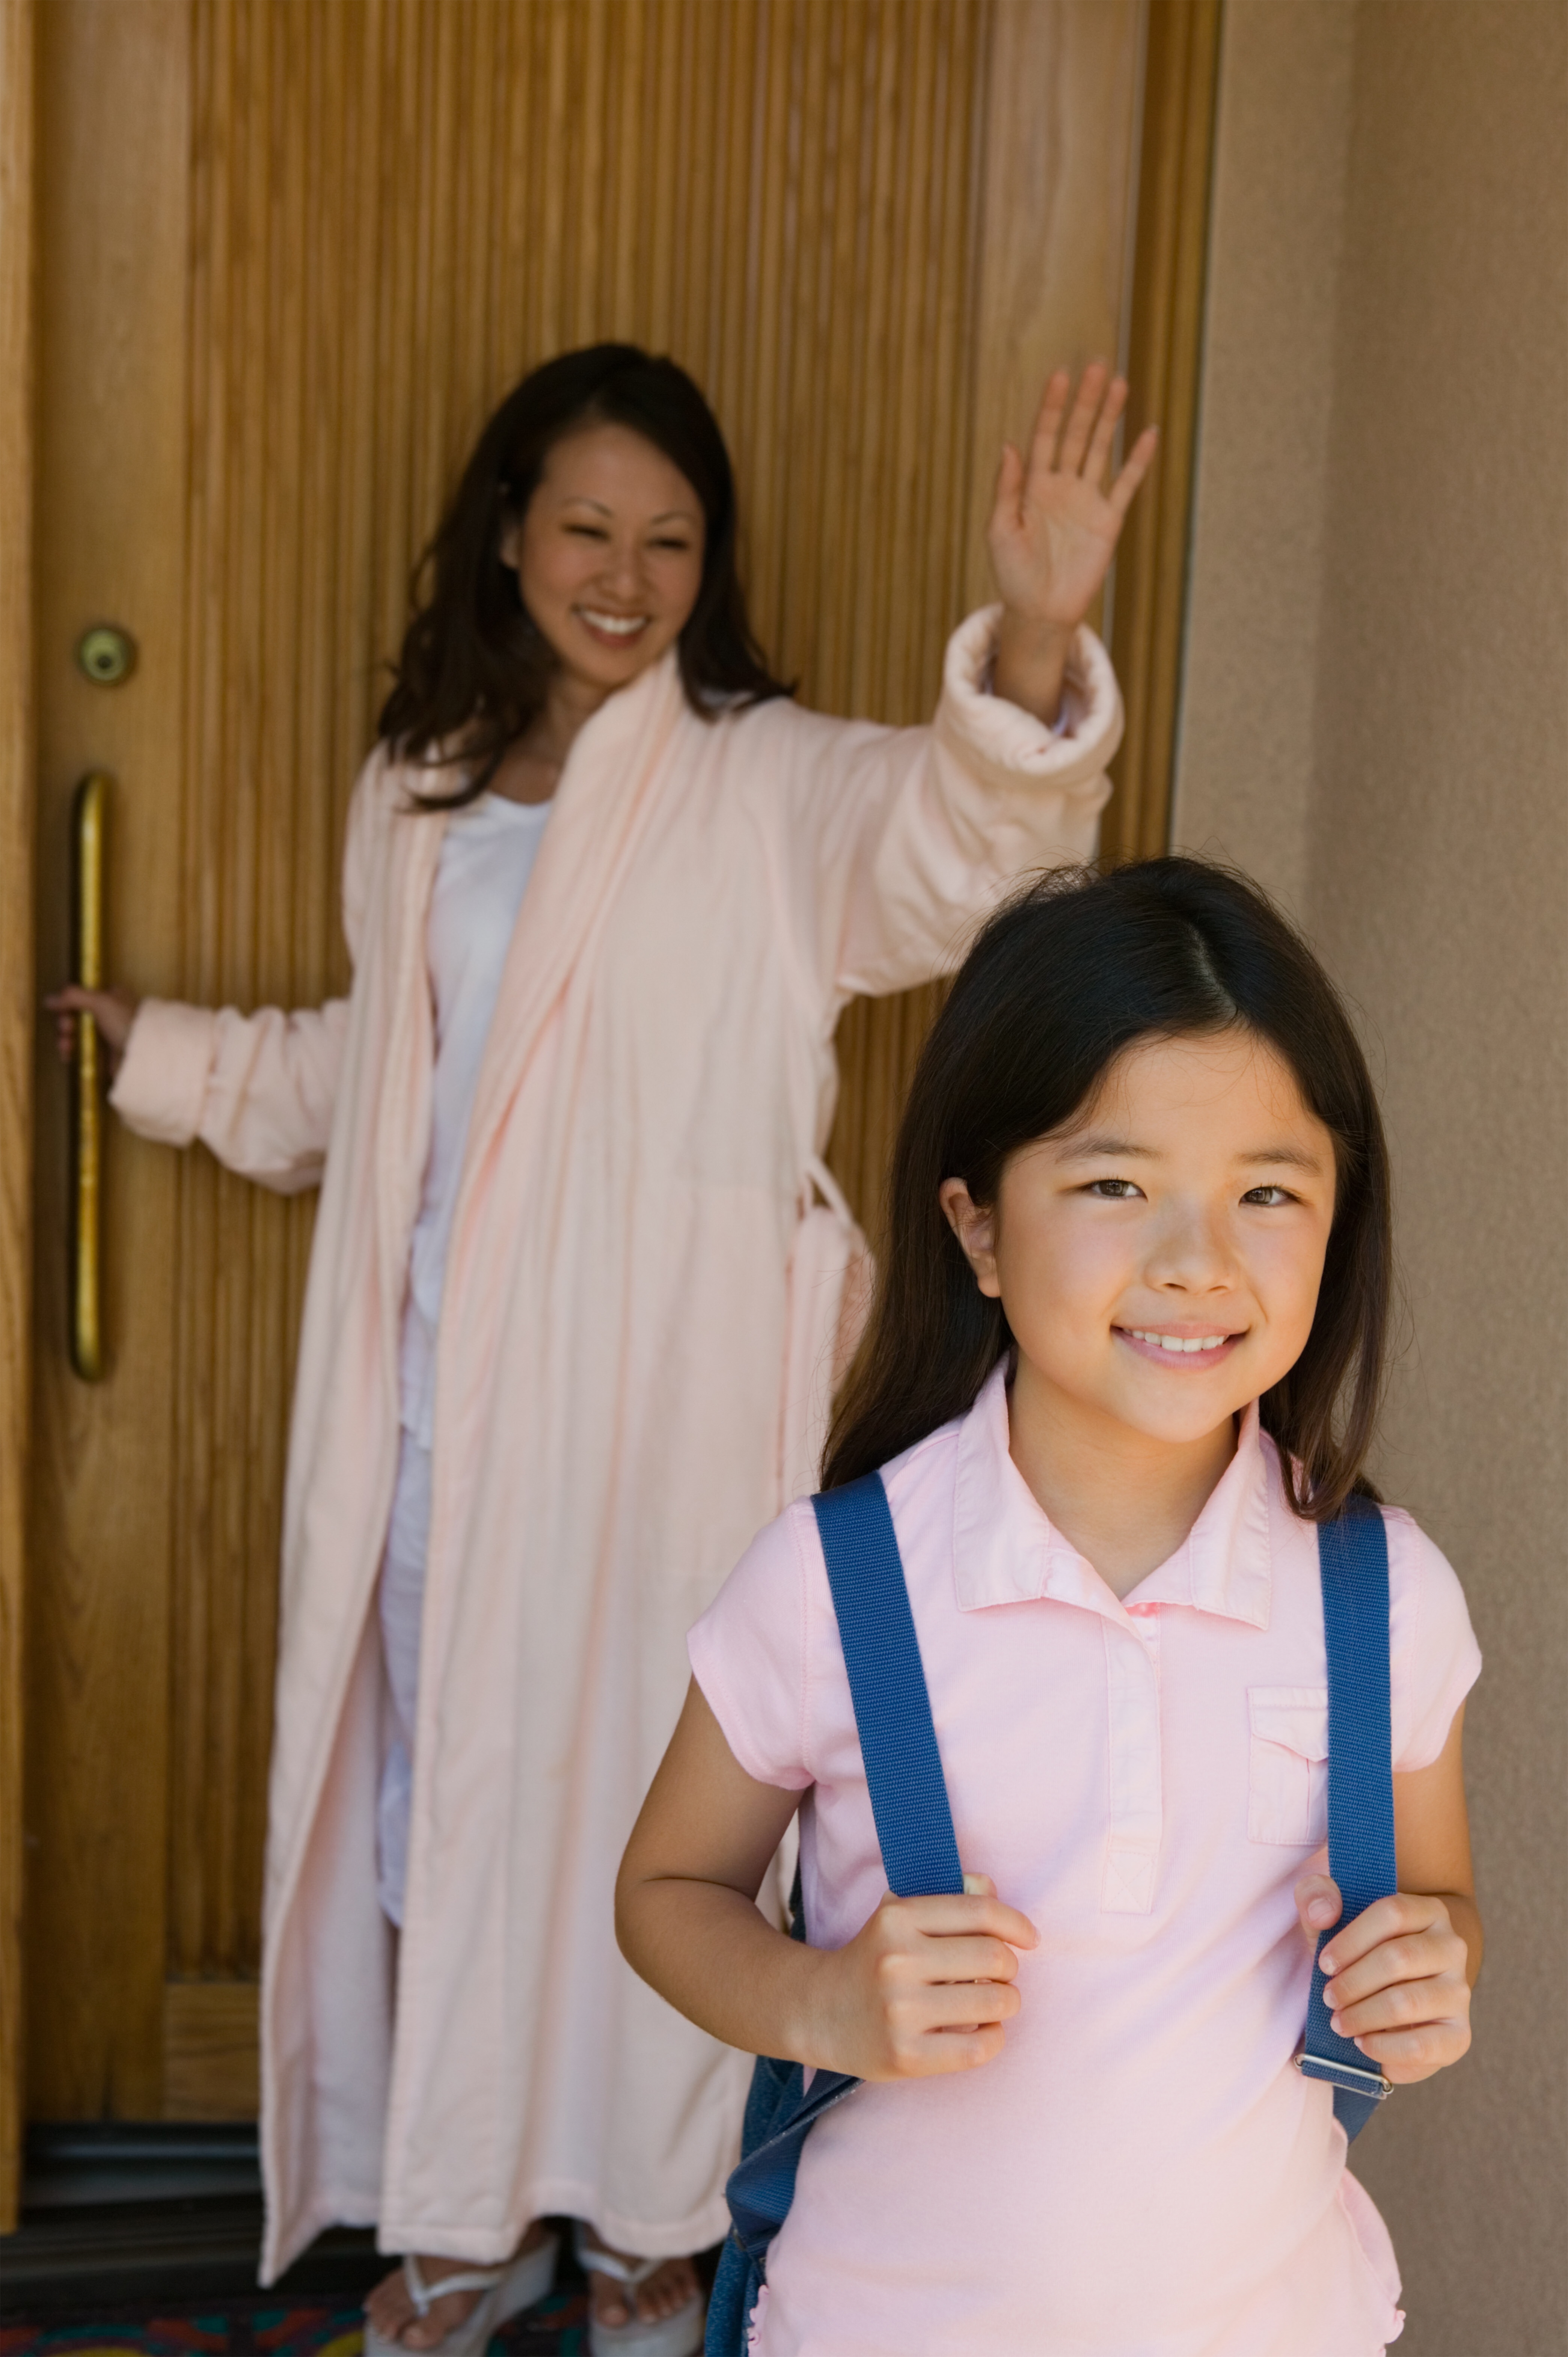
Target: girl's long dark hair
474, 671
1060, 981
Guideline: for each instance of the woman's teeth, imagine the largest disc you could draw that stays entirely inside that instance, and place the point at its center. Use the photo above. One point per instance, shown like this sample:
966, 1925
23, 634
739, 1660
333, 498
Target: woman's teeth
1179, 1341
618, 626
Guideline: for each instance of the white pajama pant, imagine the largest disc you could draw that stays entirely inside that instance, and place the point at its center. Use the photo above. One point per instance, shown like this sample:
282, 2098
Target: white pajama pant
400, 1600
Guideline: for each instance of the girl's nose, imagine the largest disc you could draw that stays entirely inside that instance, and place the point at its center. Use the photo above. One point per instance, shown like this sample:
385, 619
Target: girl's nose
1191, 1252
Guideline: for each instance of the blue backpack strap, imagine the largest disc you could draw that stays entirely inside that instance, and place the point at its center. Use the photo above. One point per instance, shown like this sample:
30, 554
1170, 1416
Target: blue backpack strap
1353, 1566
919, 1857
887, 1686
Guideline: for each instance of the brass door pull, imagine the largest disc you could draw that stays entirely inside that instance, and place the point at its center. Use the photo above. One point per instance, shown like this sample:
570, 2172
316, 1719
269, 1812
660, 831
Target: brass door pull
89, 815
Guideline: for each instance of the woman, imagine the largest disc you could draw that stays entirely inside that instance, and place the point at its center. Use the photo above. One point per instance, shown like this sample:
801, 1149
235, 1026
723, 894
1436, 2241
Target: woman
606, 889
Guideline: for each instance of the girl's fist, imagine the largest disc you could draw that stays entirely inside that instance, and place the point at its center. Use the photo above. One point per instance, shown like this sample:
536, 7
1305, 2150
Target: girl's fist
1396, 1979
924, 1988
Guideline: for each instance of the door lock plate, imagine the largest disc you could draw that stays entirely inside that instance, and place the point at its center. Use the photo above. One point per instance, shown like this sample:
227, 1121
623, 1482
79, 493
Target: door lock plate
105, 654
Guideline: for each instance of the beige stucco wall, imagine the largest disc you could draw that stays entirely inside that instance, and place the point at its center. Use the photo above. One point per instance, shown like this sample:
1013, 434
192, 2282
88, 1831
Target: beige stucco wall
1376, 721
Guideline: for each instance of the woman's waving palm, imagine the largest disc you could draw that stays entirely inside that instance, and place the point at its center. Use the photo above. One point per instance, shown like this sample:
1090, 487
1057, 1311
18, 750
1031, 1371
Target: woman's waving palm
1054, 527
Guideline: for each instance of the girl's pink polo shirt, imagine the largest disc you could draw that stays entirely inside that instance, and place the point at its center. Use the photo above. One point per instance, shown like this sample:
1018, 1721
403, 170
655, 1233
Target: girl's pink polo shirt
1142, 2171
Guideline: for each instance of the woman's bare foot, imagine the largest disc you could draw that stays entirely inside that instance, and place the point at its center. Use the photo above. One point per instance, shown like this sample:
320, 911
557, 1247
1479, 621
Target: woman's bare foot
391, 2306
666, 2290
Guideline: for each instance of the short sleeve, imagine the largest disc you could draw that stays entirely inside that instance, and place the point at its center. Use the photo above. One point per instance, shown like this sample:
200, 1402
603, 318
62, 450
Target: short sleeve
748, 1655
1434, 1658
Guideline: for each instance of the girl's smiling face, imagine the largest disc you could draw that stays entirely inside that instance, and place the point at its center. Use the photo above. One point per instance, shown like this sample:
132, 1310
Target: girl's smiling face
608, 554
1159, 1260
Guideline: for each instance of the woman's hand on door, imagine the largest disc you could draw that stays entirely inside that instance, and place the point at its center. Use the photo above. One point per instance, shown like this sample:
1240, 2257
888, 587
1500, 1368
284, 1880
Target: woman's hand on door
114, 1011
1054, 527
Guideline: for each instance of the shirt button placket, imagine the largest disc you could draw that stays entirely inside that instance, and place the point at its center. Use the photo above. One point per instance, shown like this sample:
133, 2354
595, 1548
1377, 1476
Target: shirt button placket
1133, 1697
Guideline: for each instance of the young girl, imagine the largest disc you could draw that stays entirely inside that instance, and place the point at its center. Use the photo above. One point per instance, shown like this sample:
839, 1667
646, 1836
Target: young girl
607, 888
1125, 1356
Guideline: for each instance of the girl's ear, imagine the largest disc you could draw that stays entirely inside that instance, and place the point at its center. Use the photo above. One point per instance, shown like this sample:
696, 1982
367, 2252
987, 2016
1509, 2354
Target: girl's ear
974, 1225
510, 549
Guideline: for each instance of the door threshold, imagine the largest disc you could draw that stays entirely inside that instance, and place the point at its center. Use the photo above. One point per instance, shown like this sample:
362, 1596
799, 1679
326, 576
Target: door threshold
125, 2214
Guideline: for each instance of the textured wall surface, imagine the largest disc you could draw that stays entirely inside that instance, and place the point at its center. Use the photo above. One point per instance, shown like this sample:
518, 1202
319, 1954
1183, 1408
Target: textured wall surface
1398, 769
1244, 778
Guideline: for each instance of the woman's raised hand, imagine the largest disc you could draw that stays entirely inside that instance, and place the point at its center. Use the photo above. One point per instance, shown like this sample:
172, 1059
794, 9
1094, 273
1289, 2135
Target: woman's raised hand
1054, 528
114, 1011
924, 1988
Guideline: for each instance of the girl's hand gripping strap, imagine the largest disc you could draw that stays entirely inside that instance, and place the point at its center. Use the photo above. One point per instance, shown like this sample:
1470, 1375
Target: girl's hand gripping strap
1353, 1566
919, 1857
887, 1686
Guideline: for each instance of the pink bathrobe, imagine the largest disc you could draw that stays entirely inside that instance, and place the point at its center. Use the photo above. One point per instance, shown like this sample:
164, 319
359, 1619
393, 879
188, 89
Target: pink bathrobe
641, 1302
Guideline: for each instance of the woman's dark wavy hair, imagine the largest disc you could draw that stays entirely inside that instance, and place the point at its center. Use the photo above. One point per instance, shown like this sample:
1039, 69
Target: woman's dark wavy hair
474, 670
1061, 980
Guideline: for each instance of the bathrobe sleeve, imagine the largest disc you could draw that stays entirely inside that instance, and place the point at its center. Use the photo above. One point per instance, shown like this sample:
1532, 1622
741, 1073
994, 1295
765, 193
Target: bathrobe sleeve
904, 839
257, 1090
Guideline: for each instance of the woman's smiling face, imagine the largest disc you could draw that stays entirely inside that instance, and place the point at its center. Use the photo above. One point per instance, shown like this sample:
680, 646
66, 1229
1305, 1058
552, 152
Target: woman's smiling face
1159, 1260
608, 554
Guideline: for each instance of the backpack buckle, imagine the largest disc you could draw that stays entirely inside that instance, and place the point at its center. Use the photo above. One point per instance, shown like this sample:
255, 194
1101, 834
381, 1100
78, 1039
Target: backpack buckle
1355, 2081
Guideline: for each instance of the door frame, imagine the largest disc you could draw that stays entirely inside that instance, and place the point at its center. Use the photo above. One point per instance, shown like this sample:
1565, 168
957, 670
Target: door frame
1181, 49
18, 1013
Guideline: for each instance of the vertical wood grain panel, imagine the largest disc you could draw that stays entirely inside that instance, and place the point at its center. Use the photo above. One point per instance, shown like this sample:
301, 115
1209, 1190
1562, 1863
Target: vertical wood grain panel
864, 227
398, 206
1041, 278
112, 78
17, 1014
1164, 353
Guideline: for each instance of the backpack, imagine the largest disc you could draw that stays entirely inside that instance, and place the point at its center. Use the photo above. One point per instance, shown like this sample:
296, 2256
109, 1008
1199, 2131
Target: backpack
919, 1850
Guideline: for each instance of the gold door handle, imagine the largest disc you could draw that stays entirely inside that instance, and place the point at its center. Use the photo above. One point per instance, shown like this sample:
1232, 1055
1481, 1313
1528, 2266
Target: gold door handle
89, 815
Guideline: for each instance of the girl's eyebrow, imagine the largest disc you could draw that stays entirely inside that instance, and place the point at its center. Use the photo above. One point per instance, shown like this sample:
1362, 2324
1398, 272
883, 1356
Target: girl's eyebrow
1297, 1157
1098, 1146
1101, 1143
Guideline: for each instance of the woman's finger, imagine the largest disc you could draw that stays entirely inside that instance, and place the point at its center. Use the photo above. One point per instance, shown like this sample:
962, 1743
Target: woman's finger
1081, 418
1139, 460
1009, 488
1097, 463
1048, 419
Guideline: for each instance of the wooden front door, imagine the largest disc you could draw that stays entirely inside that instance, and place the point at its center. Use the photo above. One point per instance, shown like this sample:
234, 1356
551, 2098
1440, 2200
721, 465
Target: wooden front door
285, 254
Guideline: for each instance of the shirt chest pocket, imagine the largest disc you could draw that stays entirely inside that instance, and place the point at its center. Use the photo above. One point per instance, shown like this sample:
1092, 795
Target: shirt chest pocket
1287, 1798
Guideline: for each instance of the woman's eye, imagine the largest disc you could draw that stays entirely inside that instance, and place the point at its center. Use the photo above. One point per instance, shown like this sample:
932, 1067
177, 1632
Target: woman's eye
1269, 1197
589, 531
1113, 1190
680, 546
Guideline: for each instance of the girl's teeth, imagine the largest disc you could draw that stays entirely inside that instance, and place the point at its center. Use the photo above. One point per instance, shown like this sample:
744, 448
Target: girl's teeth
1180, 1342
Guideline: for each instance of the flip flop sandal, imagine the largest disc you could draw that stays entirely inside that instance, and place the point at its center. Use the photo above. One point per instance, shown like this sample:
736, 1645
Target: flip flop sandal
680, 2335
508, 2290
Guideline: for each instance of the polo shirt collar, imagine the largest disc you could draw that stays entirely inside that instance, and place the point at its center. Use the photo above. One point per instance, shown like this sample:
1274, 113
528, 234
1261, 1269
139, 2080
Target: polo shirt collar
1005, 1550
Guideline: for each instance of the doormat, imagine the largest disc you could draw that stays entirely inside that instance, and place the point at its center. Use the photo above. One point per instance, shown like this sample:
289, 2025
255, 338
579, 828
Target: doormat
556, 2328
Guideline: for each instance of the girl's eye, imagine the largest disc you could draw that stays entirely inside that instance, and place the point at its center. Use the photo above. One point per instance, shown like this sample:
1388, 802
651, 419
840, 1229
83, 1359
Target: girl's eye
1269, 1197
681, 546
589, 531
1113, 1190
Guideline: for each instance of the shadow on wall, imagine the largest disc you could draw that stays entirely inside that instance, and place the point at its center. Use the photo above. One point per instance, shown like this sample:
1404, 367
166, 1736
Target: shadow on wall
1376, 707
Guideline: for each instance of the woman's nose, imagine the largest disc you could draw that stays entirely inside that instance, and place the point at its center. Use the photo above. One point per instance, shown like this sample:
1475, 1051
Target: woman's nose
623, 569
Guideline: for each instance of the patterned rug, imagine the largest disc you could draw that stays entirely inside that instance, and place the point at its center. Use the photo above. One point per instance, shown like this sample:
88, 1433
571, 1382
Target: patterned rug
268, 2329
